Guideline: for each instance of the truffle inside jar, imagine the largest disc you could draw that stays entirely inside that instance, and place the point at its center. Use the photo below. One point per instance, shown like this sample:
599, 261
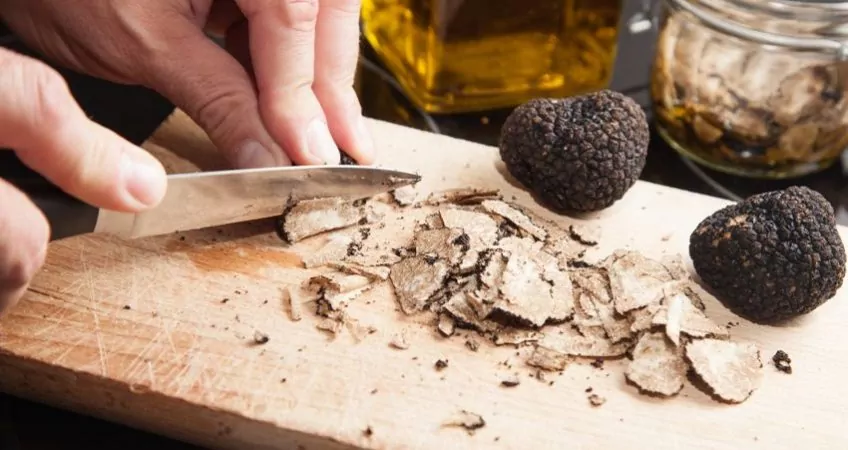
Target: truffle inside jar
736, 103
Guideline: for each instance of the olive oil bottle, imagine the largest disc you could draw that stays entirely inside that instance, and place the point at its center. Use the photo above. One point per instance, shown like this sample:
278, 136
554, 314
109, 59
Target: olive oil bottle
471, 55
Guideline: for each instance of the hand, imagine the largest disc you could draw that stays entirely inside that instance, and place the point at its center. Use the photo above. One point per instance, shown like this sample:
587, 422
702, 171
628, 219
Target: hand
50, 133
299, 105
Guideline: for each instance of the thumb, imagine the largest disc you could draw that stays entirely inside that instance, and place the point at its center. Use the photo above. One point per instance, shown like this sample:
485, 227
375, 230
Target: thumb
23, 244
42, 122
215, 90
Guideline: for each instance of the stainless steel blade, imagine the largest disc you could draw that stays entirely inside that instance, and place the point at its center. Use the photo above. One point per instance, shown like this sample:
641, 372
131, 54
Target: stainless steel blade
200, 200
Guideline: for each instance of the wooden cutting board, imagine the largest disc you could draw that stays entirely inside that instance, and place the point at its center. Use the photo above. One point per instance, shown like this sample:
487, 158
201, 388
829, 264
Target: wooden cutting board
158, 334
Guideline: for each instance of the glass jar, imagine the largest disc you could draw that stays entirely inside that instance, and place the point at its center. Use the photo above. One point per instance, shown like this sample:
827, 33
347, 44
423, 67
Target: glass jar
753, 88
472, 55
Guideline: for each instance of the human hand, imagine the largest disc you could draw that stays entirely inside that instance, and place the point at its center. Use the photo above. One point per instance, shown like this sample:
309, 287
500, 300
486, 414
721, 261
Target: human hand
51, 134
300, 103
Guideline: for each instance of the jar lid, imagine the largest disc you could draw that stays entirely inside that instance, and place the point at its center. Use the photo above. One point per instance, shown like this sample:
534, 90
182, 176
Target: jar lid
826, 22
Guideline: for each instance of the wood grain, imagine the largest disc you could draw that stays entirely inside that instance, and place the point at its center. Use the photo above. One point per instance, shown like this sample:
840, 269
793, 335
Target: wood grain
158, 334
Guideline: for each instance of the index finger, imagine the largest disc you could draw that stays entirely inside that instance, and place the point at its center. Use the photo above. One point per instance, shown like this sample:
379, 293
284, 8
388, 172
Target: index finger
282, 48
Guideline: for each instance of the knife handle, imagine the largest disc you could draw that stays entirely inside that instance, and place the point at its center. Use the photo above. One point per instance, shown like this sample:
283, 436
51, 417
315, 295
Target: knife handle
66, 214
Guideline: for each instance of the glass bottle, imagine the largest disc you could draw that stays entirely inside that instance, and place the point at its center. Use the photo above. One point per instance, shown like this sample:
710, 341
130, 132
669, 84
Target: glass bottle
753, 88
472, 55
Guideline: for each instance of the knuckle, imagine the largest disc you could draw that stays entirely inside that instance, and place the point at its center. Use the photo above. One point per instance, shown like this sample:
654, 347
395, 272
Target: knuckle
219, 106
351, 7
335, 81
49, 96
295, 99
76, 174
224, 111
299, 15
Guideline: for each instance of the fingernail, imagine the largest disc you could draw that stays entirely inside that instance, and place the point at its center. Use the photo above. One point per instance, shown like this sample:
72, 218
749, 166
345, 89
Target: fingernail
252, 155
365, 141
145, 177
321, 143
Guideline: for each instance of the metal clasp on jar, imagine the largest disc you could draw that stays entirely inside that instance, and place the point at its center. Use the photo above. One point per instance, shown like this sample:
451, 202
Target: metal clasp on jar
735, 94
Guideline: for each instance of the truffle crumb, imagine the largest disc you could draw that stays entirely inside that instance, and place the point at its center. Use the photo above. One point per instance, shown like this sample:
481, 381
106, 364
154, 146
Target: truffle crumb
399, 341
467, 420
441, 364
511, 381
294, 304
596, 400
446, 325
260, 337
331, 325
580, 235
548, 359
782, 362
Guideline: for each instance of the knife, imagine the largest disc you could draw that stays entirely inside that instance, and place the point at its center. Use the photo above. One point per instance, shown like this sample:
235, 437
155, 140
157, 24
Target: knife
200, 200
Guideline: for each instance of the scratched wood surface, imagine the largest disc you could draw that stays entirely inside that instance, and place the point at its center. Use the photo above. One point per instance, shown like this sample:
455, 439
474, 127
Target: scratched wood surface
158, 334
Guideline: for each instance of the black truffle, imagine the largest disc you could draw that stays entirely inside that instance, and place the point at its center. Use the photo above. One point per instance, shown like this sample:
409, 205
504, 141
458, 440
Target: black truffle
576, 154
772, 257
346, 160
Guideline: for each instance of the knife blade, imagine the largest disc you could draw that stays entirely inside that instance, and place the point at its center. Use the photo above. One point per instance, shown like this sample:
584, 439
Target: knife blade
200, 200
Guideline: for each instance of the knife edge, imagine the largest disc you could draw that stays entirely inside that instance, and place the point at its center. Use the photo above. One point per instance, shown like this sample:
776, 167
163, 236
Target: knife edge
205, 199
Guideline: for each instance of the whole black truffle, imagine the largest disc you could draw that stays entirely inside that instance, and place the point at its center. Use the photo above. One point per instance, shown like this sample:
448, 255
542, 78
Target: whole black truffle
346, 160
576, 154
773, 256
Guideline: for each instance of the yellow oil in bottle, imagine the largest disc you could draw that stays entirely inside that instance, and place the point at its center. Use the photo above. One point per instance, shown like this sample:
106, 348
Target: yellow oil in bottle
471, 55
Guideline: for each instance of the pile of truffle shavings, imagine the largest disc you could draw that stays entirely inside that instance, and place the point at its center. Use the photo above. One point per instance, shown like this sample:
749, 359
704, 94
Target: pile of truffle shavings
476, 262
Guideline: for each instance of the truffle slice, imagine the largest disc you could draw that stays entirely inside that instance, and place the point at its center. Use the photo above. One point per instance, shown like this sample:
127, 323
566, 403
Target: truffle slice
415, 280
335, 248
679, 316
385, 243
469, 311
404, 196
569, 341
373, 273
338, 282
439, 242
596, 303
642, 319
481, 229
658, 366
635, 280
548, 359
516, 216
461, 196
732, 371
311, 217
514, 336
773, 256
581, 153
525, 294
